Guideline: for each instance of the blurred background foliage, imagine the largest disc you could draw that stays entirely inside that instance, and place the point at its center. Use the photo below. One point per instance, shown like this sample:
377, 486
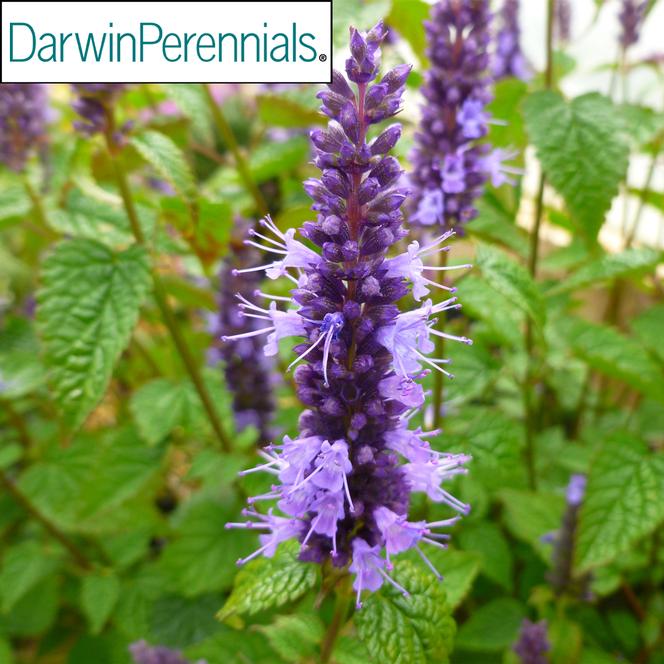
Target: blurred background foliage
117, 478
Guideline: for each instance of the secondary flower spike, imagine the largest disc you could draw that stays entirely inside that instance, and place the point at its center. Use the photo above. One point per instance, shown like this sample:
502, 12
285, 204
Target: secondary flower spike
631, 18
343, 486
247, 371
450, 167
23, 116
508, 60
142, 653
92, 103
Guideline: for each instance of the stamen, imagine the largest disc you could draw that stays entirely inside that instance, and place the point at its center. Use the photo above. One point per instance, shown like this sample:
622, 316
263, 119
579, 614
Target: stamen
429, 564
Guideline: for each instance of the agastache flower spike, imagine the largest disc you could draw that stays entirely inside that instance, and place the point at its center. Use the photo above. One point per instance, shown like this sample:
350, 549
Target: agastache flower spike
508, 60
631, 18
93, 104
247, 372
450, 166
345, 482
143, 653
23, 117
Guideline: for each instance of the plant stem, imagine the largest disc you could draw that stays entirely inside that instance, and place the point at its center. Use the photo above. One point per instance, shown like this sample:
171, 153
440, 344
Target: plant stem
338, 621
80, 558
18, 423
528, 386
439, 378
38, 208
162, 302
241, 164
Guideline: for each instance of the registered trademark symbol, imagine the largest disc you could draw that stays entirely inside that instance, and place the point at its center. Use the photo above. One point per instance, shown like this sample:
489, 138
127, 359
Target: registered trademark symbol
322, 57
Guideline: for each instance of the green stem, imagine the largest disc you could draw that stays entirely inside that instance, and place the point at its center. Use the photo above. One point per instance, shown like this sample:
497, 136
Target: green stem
642, 201
162, 302
241, 164
11, 488
529, 396
38, 209
338, 621
18, 423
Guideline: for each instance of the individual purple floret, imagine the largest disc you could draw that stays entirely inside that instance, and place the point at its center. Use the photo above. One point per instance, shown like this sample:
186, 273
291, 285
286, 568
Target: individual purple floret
533, 643
93, 103
449, 166
23, 117
508, 60
143, 653
247, 371
560, 576
631, 18
344, 484
562, 20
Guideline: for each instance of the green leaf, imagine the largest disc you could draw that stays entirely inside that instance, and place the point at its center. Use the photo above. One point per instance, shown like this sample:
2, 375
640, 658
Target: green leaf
271, 159
202, 557
179, 622
459, 570
624, 501
35, 612
167, 159
99, 594
408, 17
529, 516
191, 100
512, 280
583, 152
270, 582
648, 327
493, 626
21, 371
160, 406
611, 266
608, 351
359, 14
349, 650
289, 109
295, 638
407, 630
496, 226
488, 541
229, 646
507, 100
23, 567
14, 202
86, 309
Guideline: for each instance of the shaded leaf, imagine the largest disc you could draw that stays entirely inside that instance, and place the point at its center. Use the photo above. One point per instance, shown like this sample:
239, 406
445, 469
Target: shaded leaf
99, 594
493, 626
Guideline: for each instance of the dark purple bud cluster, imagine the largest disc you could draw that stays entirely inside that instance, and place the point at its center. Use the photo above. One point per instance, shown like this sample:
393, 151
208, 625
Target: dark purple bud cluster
23, 117
631, 18
508, 60
533, 643
143, 653
562, 20
247, 371
345, 482
93, 103
450, 168
564, 539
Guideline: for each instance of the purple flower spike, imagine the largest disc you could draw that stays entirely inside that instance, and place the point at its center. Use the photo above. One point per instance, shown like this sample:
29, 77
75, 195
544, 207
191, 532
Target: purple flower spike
508, 59
563, 20
142, 653
247, 371
631, 18
93, 103
23, 117
345, 482
450, 167
533, 643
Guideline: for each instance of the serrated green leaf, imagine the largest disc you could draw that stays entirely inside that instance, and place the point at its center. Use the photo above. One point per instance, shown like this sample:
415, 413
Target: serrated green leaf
487, 540
408, 17
648, 327
407, 630
611, 266
180, 622
99, 594
624, 501
159, 406
191, 100
529, 516
349, 650
270, 582
493, 626
167, 159
512, 280
295, 638
86, 309
582, 149
608, 351
203, 554
23, 567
